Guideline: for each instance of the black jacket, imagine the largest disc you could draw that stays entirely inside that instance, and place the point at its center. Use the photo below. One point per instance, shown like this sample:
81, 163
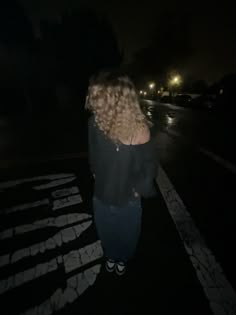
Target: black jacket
119, 171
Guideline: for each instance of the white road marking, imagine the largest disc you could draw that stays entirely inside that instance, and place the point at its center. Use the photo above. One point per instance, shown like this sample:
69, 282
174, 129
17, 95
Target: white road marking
65, 192
57, 204
26, 206
13, 183
6, 234
72, 261
218, 290
67, 202
59, 221
226, 164
66, 235
81, 257
76, 286
55, 183
4, 260
27, 275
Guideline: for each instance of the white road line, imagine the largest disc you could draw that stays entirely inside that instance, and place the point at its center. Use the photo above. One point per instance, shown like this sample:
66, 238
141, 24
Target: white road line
65, 192
4, 260
57, 204
221, 295
76, 286
83, 256
67, 202
72, 261
27, 275
13, 183
26, 206
60, 221
55, 183
57, 240
229, 166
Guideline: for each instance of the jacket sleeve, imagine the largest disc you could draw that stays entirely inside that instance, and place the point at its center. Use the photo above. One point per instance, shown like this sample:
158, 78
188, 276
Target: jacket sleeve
146, 170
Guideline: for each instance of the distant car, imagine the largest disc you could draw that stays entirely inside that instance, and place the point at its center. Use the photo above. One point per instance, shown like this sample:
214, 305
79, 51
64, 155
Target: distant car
204, 102
182, 100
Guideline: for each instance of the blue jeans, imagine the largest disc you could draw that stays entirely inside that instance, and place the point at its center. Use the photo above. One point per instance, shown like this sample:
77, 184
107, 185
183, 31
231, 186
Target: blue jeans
118, 228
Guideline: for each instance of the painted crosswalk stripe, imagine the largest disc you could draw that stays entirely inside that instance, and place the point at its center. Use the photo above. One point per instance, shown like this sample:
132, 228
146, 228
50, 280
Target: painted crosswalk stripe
67, 202
55, 183
76, 286
72, 261
60, 221
65, 192
62, 237
78, 266
12, 183
57, 204
26, 206
218, 290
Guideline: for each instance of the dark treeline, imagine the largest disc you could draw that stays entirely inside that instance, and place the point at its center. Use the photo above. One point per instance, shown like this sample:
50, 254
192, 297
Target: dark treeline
49, 65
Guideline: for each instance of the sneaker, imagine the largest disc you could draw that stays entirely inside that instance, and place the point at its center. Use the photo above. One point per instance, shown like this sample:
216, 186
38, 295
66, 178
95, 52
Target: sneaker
110, 265
120, 268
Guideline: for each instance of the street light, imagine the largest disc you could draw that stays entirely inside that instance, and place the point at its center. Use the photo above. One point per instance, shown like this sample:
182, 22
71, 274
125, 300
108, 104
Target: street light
175, 81
151, 86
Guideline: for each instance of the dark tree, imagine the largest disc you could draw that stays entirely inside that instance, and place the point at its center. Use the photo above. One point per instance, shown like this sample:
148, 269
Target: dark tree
15, 27
16, 42
168, 48
71, 51
81, 44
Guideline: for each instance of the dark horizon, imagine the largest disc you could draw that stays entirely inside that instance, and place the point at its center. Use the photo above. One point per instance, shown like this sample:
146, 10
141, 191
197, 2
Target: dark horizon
196, 41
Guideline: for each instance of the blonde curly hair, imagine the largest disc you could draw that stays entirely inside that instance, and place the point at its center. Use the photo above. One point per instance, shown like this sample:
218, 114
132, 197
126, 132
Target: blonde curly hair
114, 101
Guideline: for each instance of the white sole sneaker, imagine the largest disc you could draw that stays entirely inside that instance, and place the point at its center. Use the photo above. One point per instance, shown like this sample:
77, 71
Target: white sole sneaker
110, 265
120, 268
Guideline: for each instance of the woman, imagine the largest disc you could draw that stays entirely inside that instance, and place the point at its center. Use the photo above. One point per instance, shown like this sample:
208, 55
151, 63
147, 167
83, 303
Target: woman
124, 164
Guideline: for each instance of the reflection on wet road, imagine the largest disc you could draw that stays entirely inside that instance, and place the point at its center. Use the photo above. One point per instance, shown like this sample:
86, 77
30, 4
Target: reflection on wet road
213, 131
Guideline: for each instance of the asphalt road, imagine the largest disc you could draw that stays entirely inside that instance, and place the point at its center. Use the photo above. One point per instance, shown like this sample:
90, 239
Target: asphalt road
52, 262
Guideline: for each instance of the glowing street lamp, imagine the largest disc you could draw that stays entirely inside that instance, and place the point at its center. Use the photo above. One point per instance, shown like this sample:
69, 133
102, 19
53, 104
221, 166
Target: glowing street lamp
141, 92
151, 86
175, 81
144, 93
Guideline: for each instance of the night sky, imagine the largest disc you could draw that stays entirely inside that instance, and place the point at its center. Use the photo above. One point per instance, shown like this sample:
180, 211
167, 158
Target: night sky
203, 32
